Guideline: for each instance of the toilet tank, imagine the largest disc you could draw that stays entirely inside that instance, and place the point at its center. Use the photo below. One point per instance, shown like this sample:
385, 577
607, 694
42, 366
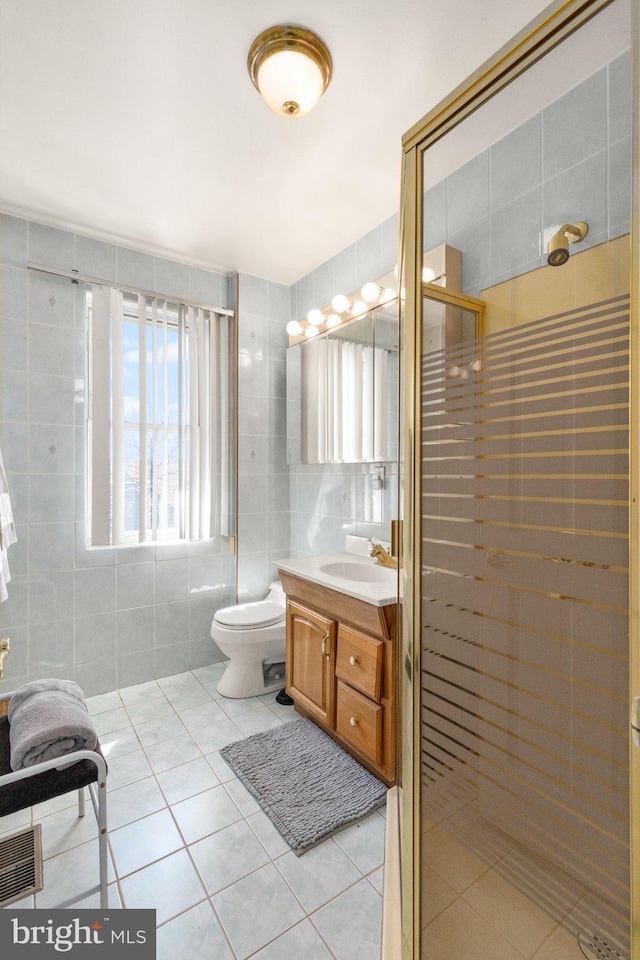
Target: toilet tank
277, 594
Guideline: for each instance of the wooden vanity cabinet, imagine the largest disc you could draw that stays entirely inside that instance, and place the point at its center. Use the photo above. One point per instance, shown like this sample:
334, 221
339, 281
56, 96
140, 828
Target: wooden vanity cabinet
341, 670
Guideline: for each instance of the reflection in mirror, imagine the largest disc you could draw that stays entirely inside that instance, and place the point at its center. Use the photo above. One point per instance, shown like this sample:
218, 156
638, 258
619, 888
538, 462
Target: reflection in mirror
342, 392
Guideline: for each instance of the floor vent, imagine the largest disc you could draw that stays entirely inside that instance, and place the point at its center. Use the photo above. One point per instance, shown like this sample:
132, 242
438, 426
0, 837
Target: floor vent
595, 947
20, 865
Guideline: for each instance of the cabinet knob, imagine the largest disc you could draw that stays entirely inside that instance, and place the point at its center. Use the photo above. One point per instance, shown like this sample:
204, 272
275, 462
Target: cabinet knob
352, 661
353, 722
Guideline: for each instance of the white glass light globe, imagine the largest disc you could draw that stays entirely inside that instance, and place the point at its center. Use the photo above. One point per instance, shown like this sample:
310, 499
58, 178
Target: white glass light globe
290, 82
428, 275
359, 307
340, 303
389, 294
316, 317
370, 292
294, 329
333, 320
311, 331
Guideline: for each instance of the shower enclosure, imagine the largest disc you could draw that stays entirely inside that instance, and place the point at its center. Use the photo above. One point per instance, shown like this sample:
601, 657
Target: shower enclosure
519, 649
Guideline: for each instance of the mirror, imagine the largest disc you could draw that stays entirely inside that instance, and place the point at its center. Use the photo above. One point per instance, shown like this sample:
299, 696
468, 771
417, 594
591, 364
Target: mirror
342, 392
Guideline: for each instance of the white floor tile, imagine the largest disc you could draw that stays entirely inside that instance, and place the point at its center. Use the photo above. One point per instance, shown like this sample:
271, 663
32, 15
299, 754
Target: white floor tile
118, 743
196, 935
103, 702
172, 753
159, 730
127, 769
228, 855
64, 830
273, 910
271, 840
301, 941
364, 842
188, 779
141, 843
140, 692
202, 715
14, 821
319, 875
461, 932
71, 874
182, 699
211, 673
351, 925
234, 707
133, 802
92, 902
257, 721
244, 801
111, 721
220, 767
216, 736
169, 886
377, 880
205, 813
149, 710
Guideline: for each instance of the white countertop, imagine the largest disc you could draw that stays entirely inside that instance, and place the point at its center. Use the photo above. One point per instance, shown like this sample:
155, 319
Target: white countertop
380, 591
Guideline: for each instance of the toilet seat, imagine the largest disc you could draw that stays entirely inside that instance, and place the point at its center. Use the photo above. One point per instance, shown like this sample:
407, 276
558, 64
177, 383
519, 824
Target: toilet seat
245, 616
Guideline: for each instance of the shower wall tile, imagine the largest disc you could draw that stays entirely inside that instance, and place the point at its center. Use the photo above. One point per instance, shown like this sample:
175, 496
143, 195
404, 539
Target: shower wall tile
515, 233
620, 98
14, 284
619, 184
135, 585
95, 590
578, 194
172, 279
50, 597
516, 162
369, 256
172, 659
253, 338
254, 296
575, 126
13, 344
135, 269
278, 302
51, 246
52, 546
51, 448
207, 287
345, 272
474, 244
52, 300
95, 638
99, 675
14, 233
390, 233
468, 194
172, 580
323, 289
95, 258
51, 399
135, 630
51, 350
304, 296
14, 611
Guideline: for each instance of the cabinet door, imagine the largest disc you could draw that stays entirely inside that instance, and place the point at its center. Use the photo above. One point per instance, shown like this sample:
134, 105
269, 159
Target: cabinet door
311, 643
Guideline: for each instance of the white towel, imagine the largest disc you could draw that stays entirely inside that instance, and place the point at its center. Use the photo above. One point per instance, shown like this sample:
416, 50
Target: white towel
7, 531
48, 719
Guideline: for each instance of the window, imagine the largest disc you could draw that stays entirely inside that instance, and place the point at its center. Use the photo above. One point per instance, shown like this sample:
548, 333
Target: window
158, 419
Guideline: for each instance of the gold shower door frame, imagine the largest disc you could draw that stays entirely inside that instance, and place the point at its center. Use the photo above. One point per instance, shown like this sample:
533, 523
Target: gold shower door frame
554, 25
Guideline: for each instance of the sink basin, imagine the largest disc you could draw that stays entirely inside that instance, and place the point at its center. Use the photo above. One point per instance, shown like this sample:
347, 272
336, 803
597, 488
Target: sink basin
359, 572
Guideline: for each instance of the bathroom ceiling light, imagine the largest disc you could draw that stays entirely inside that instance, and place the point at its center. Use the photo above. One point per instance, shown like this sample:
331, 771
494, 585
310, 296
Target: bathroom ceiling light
294, 329
311, 331
340, 303
316, 317
291, 68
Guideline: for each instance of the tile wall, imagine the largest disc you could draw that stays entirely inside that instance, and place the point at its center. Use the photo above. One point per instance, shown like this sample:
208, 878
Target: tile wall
106, 617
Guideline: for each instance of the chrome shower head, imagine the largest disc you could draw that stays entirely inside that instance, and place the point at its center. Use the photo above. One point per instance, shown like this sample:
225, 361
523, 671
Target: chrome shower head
558, 246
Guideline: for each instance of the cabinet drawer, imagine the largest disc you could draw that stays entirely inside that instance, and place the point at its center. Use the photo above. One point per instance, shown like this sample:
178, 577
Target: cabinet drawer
359, 661
359, 722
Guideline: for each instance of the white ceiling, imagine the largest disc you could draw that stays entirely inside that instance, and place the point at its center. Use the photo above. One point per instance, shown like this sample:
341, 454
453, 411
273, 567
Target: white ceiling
136, 121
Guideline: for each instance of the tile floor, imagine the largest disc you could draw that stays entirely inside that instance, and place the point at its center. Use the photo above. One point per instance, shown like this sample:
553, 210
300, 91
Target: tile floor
485, 897
188, 839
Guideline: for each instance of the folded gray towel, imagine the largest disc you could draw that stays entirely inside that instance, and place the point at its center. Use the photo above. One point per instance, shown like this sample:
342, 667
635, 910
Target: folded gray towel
48, 719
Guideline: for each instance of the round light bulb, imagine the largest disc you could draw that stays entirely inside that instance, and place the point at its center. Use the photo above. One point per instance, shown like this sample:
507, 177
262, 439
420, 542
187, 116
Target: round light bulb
316, 317
370, 292
359, 307
311, 331
340, 303
294, 329
389, 294
395, 271
333, 320
428, 275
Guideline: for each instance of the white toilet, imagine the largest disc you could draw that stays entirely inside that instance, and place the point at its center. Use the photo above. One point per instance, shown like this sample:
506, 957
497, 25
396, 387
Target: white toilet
252, 636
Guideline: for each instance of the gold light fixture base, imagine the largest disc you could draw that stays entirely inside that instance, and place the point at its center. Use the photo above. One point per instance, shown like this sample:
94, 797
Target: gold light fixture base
287, 37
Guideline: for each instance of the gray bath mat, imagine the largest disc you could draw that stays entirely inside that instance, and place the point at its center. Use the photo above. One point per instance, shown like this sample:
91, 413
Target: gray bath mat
307, 785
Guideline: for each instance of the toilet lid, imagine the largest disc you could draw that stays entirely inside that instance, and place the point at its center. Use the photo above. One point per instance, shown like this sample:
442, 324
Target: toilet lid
261, 614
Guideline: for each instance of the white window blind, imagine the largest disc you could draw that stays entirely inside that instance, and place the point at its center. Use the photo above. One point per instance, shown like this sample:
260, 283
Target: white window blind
345, 389
158, 419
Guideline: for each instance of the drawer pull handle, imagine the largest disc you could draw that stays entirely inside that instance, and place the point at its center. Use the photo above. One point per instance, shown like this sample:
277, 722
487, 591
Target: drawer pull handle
353, 722
353, 661
325, 645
